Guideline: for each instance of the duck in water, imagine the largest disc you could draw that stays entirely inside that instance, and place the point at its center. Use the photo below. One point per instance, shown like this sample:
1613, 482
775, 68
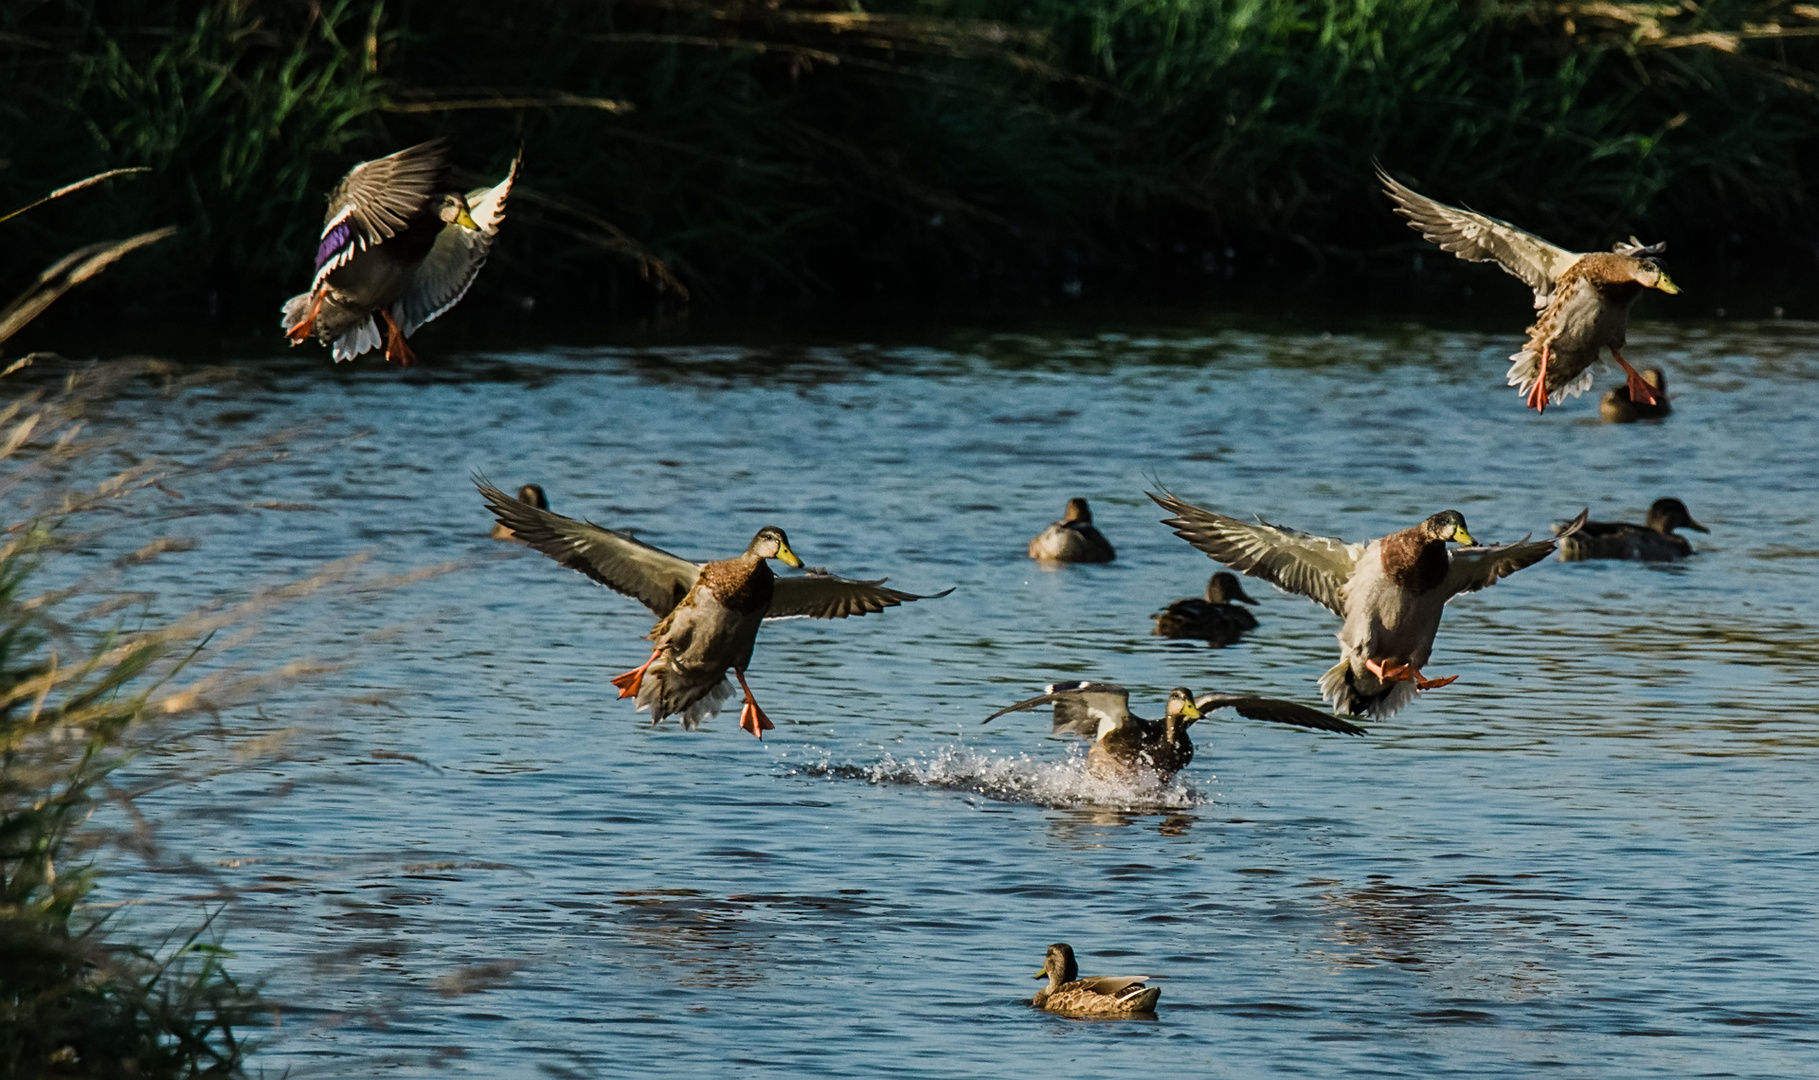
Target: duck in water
1217, 620
1653, 541
1067, 994
1072, 539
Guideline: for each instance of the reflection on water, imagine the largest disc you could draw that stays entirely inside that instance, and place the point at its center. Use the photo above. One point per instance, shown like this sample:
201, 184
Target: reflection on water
470, 859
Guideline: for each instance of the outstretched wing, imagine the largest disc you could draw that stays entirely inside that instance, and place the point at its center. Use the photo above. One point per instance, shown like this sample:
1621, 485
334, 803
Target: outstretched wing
1079, 707
376, 200
456, 258
1317, 567
820, 595
1277, 712
652, 576
1476, 237
1476, 568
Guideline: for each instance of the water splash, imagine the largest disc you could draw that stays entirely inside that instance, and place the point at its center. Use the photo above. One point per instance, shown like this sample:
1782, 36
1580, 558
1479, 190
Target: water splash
1062, 783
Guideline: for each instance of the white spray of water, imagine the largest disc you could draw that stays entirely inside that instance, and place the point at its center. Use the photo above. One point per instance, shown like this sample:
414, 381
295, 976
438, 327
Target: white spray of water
1017, 778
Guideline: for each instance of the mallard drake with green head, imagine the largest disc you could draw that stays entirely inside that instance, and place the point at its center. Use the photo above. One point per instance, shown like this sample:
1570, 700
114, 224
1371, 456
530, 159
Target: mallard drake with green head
1217, 620
1390, 592
1126, 746
1654, 541
1584, 299
1067, 994
709, 613
530, 495
1072, 539
398, 248
1619, 408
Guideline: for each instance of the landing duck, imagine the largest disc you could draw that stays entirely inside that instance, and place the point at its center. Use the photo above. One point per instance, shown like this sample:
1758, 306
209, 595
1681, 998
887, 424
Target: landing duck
1584, 299
1653, 541
399, 247
530, 495
1126, 747
1618, 407
1067, 994
709, 613
1390, 591
1072, 539
1217, 620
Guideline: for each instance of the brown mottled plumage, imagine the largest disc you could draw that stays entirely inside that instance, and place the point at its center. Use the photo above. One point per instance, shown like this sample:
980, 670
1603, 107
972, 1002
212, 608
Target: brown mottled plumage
1067, 994
1584, 299
709, 612
1390, 592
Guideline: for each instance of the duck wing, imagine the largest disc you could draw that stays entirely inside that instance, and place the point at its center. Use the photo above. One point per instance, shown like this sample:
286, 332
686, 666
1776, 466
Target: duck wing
457, 256
1115, 986
826, 596
1475, 568
1476, 237
650, 575
376, 200
1316, 567
1277, 712
1079, 707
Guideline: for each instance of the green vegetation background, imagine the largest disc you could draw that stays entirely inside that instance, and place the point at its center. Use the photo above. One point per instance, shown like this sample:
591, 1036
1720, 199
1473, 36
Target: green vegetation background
800, 150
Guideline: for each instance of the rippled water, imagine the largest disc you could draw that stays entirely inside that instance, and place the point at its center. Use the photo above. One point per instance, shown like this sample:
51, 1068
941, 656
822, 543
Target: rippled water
1596, 850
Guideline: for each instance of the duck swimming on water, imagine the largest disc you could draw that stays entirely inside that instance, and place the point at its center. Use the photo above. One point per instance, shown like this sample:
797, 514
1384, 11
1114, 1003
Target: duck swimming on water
1619, 408
1217, 620
1067, 994
1653, 541
1072, 539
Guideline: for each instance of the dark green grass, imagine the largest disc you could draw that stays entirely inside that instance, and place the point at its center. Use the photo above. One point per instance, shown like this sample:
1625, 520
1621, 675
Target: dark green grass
906, 151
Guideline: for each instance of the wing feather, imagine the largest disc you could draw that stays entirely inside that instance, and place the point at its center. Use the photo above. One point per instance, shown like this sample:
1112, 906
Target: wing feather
455, 259
1277, 712
1079, 707
1112, 985
376, 200
825, 596
1316, 567
1477, 237
1481, 567
650, 575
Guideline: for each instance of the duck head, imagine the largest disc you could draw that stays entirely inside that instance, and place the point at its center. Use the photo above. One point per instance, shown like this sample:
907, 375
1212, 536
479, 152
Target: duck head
1225, 589
532, 495
1656, 378
451, 209
1060, 966
1181, 708
1444, 526
1077, 513
1666, 515
770, 543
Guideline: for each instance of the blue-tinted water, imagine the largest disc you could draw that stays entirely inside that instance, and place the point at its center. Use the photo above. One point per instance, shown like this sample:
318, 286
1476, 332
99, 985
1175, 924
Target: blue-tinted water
1597, 850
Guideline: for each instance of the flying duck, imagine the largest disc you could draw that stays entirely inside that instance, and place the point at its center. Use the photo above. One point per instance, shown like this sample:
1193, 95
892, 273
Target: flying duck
709, 613
399, 247
1584, 299
1390, 592
1072, 539
1127, 746
1654, 541
1067, 994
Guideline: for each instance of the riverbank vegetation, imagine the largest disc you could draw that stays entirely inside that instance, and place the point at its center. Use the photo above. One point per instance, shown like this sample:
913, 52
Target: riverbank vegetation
799, 150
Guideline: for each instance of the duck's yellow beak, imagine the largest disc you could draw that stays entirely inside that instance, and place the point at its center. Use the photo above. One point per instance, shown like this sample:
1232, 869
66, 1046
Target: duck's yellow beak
1191, 711
1464, 537
466, 220
788, 556
1043, 974
1666, 285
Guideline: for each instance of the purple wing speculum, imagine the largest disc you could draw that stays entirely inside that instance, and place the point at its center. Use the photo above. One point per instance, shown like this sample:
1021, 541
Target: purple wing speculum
333, 242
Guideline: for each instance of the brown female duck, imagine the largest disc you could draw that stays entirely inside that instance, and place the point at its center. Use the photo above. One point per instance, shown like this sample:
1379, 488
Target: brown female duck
399, 247
530, 495
1653, 541
1126, 747
1584, 299
709, 613
1390, 592
1619, 408
1067, 994
1217, 620
1072, 539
